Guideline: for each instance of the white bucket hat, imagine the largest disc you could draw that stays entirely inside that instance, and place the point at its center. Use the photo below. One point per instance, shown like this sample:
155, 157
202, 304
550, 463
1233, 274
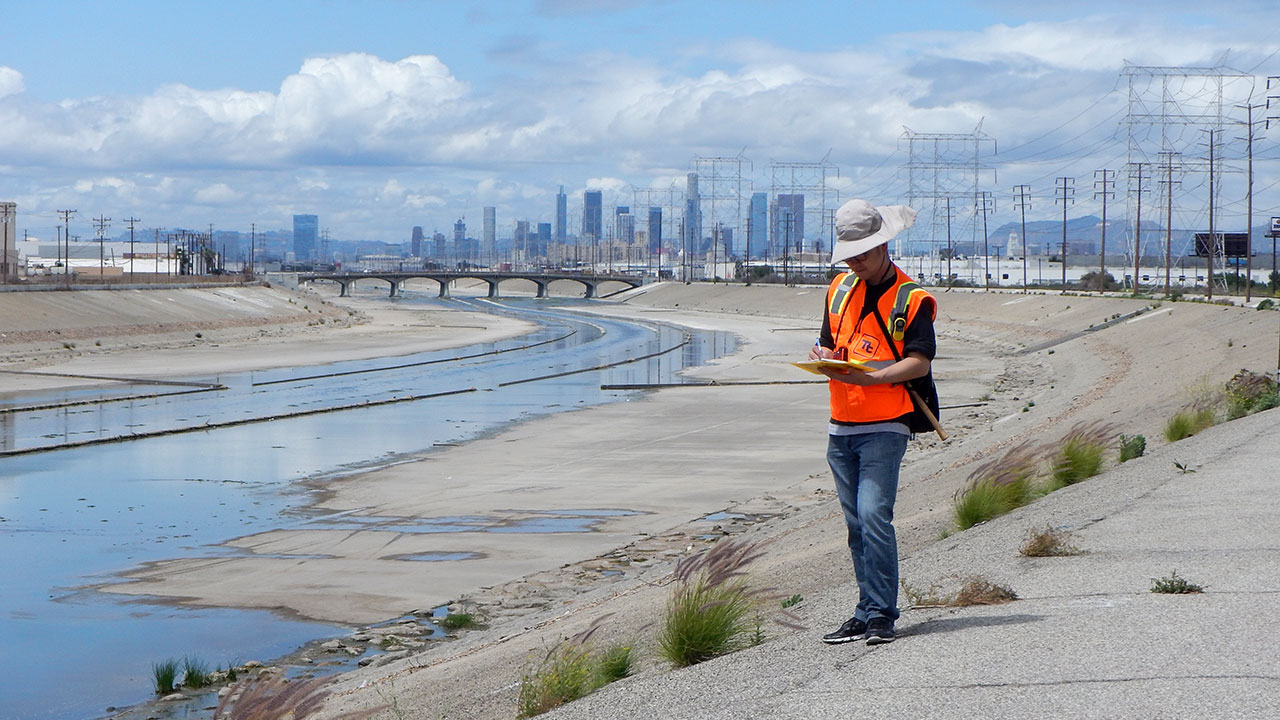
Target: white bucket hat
860, 226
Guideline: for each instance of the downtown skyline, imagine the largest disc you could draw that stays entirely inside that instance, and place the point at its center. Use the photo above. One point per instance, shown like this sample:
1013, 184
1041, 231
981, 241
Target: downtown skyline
422, 114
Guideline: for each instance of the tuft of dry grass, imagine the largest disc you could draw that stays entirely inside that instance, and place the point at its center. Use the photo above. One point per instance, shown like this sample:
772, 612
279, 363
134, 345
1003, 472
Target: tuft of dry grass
1049, 542
981, 591
271, 696
975, 590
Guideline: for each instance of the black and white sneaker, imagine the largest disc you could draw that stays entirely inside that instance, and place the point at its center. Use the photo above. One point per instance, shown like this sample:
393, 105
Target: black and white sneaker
880, 631
853, 629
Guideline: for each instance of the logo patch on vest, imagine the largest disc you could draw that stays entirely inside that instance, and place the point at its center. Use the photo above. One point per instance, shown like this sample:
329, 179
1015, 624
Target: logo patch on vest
865, 345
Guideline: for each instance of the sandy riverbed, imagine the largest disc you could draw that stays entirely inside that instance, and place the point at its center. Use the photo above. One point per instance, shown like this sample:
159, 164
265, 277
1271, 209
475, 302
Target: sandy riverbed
668, 460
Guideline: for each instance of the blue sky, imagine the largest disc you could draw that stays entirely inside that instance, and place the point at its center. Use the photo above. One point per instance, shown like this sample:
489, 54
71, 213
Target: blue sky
378, 116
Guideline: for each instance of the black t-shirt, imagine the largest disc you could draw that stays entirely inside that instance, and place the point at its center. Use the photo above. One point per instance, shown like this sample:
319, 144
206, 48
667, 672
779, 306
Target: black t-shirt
918, 336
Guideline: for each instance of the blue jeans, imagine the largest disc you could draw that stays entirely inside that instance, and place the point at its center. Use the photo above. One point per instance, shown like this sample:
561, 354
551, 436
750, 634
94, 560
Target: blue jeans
866, 472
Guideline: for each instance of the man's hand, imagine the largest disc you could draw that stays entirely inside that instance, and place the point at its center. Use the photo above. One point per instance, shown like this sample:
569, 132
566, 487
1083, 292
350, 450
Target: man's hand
817, 352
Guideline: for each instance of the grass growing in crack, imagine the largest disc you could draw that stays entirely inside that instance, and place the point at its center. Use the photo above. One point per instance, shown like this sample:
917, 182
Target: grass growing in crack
792, 601
571, 670
1174, 584
164, 676
195, 672
975, 590
710, 611
272, 696
1186, 423
1132, 447
981, 591
1048, 542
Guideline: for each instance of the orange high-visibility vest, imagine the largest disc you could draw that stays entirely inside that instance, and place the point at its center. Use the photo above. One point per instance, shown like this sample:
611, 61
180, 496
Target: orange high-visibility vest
863, 340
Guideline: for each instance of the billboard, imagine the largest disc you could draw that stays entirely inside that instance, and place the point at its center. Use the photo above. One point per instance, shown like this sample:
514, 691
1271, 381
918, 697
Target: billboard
1233, 244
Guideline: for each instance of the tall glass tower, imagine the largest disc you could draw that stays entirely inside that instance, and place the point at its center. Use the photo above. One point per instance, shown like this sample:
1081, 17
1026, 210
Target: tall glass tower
306, 229
593, 214
758, 226
562, 216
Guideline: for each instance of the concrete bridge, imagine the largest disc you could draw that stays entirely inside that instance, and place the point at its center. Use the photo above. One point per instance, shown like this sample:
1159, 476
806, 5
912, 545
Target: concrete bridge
397, 278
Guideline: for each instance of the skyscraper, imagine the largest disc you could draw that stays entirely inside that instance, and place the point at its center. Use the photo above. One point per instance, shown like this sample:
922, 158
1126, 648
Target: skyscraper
489, 235
562, 216
692, 215
306, 229
415, 243
757, 225
544, 239
789, 221
460, 240
593, 214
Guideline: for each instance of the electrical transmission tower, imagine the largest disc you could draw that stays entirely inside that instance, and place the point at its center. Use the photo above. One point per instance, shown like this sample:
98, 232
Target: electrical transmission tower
811, 181
1169, 109
721, 189
940, 167
669, 202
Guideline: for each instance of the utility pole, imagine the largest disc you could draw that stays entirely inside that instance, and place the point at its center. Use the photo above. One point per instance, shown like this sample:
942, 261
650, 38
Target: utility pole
1022, 199
950, 249
101, 223
1105, 192
1137, 229
131, 221
1066, 195
986, 204
1213, 238
253, 247
1248, 234
66, 225
1168, 182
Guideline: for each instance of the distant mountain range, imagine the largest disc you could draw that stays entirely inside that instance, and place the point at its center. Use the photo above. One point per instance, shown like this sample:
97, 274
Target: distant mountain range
1084, 235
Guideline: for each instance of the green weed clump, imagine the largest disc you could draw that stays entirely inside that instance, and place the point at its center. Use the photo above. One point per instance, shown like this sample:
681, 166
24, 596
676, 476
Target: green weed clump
459, 621
1132, 447
195, 673
571, 670
1250, 392
164, 676
1080, 455
997, 487
1174, 584
1186, 423
711, 610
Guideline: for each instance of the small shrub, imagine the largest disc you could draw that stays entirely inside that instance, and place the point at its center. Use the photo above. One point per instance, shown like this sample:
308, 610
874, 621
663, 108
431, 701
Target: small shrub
1048, 542
710, 610
930, 597
195, 673
1174, 584
1132, 447
164, 676
1248, 392
1266, 304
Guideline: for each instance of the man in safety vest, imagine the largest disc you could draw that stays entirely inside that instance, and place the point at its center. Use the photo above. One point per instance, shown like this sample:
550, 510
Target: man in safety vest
877, 316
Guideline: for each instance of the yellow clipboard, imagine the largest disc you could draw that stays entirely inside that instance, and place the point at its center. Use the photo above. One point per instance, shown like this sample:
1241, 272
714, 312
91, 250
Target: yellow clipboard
814, 365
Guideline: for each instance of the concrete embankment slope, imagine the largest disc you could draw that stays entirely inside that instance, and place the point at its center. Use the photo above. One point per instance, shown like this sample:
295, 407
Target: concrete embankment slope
34, 322
1086, 639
